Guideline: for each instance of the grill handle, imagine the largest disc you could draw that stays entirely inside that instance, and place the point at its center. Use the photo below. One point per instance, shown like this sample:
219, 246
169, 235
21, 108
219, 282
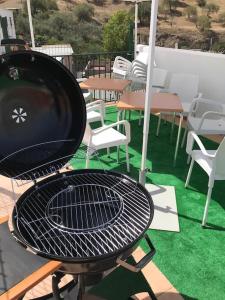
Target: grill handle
143, 262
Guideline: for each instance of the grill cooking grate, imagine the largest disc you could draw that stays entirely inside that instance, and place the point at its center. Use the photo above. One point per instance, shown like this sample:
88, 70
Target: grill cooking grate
80, 214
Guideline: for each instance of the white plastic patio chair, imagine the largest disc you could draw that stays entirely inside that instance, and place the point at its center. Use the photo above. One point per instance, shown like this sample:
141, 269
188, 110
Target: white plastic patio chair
205, 117
211, 161
138, 72
106, 137
121, 67
87, 95
186, 87
138, 75
96, 111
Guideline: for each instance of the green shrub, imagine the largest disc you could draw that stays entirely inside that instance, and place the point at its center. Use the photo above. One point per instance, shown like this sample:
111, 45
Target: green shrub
191, 13
212, 8
201, 3
84, 12
221, 18
203, 24
116, 32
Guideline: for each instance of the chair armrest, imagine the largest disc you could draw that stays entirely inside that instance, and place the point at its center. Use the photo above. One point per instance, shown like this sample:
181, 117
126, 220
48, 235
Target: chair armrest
79, 80
199, 95
93, 108
210, 113
94, 103
123, 122
192, 136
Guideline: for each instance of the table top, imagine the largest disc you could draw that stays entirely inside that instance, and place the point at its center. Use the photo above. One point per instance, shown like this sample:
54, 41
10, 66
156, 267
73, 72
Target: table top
160, 102
105, 84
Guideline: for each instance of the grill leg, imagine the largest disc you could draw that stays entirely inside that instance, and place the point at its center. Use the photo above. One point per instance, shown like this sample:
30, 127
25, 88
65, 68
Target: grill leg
81, 287
56, 277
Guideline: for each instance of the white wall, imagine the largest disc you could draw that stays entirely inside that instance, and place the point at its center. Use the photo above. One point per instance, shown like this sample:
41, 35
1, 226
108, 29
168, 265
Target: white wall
209, 66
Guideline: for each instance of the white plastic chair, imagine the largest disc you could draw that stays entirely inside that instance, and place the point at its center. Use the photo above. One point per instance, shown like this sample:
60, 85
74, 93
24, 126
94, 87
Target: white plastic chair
121, 67
205, 117
138, 75
106, 137
96, 111
211, 161
87, 95
138, 72
186, 87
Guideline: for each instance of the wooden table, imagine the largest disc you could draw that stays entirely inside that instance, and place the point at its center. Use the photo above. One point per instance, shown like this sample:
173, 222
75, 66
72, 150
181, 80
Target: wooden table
161, 102
105, 84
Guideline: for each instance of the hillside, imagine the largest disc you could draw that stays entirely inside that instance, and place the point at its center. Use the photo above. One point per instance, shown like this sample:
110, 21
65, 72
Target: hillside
171, 29
102, 13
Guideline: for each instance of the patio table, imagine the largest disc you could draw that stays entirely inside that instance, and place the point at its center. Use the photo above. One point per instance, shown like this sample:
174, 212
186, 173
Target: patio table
105, 84
161, 102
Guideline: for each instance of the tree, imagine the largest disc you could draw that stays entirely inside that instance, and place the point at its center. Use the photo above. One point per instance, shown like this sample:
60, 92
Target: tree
144, 13
212, 8
203, 24
164, 8
116, 32
167, 7
84, 12
38, 6
201, 3
63, 28
191, 13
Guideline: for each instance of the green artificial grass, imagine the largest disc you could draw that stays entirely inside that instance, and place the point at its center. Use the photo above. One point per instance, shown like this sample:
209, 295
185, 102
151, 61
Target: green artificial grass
194, 259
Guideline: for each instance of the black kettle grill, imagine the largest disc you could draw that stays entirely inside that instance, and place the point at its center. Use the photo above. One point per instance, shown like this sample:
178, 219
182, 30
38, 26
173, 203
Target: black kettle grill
90, 220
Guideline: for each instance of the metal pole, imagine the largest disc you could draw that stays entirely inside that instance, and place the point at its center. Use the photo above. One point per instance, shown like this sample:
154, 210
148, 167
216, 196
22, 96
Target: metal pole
135, 29
149, 93
30, 24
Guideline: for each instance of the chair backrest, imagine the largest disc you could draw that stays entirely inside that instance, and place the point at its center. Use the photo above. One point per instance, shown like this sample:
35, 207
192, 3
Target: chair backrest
185, 86
97, 105
121, 64
138, 71
159, 77
142, 56
219, 162
201, 106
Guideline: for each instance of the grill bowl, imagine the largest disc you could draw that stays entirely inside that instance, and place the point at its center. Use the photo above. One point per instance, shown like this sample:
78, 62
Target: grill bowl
48, 218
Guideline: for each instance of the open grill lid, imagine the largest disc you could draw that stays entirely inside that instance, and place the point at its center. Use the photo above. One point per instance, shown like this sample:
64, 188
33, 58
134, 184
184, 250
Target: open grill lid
42, 114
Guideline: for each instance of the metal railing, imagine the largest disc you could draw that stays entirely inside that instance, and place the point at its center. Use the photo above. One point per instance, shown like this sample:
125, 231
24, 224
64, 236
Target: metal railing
96, 64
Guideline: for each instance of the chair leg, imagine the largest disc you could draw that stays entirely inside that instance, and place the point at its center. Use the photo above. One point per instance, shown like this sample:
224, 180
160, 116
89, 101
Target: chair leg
159, 123
108, 152
87, 159
189, 172
129, 116
127, 158
140, 117
118, 154
188, 159
208, 199
184, 137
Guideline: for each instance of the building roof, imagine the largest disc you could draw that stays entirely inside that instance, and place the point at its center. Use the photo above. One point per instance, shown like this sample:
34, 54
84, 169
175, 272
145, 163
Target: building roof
55, 50
11, 4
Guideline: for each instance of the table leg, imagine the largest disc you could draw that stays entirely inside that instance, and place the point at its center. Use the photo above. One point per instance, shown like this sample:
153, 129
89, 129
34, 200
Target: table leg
178, 140
118, 119
172, 126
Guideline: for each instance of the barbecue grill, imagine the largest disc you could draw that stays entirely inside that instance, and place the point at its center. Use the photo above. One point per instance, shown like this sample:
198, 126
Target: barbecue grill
90, 220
